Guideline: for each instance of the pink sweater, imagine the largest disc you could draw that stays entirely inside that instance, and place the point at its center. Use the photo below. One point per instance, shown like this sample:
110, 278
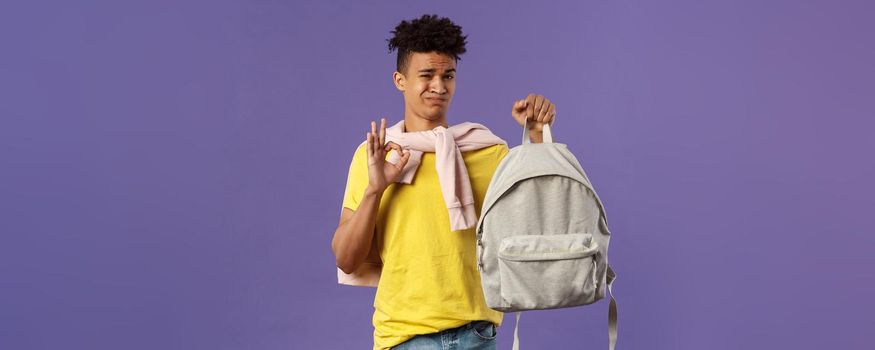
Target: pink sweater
448, 145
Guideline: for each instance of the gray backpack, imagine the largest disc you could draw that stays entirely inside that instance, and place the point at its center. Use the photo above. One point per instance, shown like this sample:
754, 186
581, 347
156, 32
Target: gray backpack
542, 235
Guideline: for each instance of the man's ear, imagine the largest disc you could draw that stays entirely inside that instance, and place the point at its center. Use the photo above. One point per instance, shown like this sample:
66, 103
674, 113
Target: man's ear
400, 81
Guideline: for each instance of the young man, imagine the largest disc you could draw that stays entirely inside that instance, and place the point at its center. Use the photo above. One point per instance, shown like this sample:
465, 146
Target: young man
418, 213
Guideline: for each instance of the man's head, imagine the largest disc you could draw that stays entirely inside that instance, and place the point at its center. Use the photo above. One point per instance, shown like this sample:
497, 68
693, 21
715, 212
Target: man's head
428, 50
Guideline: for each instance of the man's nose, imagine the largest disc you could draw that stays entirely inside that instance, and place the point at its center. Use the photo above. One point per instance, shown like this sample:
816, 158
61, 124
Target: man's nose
437, 86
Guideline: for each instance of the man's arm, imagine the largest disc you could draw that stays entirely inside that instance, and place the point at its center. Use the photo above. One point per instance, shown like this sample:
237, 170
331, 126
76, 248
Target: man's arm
355, 232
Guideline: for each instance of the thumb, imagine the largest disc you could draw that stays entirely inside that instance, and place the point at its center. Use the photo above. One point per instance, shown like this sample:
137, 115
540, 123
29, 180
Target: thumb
519, 105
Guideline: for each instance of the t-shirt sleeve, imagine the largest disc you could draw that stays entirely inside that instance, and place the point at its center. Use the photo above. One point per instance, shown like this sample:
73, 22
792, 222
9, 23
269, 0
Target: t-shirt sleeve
357, 178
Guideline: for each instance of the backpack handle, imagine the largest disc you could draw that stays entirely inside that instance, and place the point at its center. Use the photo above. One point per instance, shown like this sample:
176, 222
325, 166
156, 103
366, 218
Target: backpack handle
548, 134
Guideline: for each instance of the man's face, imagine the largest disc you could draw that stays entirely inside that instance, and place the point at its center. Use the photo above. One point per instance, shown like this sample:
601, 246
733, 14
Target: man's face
428, 84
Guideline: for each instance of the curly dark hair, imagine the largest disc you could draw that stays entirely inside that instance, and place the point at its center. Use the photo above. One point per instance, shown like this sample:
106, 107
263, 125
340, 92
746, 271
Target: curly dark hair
426, 34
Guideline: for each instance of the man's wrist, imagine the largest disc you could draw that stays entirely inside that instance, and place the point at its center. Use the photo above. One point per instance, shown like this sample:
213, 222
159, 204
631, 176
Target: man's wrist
371, 191
536, 136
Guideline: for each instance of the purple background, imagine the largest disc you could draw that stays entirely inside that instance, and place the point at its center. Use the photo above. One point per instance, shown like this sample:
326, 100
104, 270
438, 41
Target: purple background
171, 172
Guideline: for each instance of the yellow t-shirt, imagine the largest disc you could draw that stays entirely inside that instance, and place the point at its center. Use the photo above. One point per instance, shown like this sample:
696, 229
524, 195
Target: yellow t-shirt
429, 280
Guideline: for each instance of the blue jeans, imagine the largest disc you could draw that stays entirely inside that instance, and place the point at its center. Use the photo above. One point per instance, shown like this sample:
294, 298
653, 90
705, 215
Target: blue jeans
477, 335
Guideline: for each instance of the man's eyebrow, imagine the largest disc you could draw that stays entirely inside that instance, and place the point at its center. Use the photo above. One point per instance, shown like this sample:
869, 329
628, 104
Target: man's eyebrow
432, 70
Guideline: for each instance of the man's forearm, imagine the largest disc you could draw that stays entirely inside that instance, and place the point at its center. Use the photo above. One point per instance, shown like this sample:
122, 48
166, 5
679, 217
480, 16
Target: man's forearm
353, 238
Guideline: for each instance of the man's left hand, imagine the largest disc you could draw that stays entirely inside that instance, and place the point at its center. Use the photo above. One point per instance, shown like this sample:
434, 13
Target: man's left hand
537, 109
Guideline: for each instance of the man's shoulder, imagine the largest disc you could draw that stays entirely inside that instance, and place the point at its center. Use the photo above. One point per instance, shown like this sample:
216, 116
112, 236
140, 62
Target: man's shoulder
498, 147
488, 156
360, 150
488, 151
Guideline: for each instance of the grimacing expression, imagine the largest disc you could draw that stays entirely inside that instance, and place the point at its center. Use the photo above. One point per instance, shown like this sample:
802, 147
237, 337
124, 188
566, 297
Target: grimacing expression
429, 84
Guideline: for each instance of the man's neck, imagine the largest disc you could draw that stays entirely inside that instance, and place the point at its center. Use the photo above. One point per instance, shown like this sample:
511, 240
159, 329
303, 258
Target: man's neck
414, 123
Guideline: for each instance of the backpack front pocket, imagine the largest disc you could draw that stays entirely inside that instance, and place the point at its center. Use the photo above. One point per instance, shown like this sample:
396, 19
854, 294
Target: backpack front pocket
548, 271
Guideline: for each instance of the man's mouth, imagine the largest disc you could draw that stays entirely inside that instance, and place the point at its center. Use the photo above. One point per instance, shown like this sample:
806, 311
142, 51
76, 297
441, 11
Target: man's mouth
436, 100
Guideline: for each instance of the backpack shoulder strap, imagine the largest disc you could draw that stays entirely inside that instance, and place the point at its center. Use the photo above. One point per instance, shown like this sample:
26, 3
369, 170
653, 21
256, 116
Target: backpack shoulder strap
516, 332
612, 310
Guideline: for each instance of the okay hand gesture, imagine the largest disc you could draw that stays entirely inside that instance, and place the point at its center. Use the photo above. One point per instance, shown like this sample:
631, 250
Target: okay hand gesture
382, 173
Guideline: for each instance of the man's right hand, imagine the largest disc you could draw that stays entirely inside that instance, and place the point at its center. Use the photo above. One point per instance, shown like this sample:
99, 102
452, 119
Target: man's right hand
380, 172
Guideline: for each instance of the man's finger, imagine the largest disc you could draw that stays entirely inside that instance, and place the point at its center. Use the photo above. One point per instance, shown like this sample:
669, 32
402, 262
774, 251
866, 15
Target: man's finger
539, 104
545, 108
405, 156
392, 145
519, 105
373, 145
374, 131
370, 146
551, 113
382, 131
540, 113
374, 138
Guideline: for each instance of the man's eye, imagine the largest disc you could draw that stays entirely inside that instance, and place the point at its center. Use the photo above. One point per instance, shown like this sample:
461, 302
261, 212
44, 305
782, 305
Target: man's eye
450, 77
